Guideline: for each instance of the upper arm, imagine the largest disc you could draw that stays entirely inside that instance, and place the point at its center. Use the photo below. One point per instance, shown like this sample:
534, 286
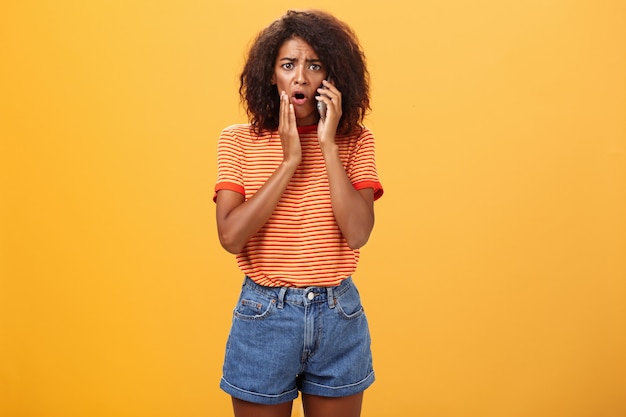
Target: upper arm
361, 168
367, 194
226, 201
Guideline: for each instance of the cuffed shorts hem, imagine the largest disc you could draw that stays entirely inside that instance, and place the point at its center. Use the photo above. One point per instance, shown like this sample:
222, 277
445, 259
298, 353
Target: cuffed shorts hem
312, 388
257, 398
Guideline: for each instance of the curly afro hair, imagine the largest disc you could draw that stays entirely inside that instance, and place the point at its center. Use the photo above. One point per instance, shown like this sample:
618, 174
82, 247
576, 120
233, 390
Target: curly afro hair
337, 47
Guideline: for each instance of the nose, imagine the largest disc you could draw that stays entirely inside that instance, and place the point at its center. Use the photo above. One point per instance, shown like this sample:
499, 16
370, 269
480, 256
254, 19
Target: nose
300, 77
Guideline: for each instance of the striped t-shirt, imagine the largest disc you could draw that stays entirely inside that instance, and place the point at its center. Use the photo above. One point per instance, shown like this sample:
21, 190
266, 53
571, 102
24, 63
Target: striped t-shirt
300, 244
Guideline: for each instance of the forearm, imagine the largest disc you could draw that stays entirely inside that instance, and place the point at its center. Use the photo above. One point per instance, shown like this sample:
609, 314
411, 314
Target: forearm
237, 225
353, 212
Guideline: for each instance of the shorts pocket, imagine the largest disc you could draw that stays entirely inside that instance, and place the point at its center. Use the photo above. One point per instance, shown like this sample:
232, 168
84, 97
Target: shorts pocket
254, 306
349, 304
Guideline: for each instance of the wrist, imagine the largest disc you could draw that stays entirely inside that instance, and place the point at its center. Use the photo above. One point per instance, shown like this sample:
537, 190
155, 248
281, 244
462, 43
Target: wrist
329, 149
290, 164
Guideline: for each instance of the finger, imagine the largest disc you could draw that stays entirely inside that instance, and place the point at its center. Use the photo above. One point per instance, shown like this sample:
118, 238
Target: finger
333, 94
283, 115
292, 115
330, 86
324, 99
332, 100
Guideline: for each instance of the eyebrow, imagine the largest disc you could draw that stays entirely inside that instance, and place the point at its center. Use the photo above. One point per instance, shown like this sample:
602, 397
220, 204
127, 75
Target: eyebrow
314, 60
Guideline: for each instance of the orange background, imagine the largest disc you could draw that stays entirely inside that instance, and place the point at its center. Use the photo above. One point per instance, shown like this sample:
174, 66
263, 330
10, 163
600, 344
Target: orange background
494, 281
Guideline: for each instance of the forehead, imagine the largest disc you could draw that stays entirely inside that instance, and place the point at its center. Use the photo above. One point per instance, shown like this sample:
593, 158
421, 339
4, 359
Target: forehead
296, 47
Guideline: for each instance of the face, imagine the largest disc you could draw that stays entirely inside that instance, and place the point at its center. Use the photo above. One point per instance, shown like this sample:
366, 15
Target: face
299, 72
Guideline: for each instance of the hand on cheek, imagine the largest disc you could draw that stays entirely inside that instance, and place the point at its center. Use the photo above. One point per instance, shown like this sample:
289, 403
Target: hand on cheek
288, 131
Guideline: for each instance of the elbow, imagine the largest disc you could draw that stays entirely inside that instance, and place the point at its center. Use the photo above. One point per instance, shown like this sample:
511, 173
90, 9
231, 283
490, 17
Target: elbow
235, 250
230, 244
359, 236
356, 245
357, 242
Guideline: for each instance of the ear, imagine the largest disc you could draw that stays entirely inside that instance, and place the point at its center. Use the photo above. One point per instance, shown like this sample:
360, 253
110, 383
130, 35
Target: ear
274, 79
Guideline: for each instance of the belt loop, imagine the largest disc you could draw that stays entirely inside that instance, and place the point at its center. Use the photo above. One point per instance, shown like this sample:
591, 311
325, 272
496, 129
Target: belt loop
281, 297
331, 297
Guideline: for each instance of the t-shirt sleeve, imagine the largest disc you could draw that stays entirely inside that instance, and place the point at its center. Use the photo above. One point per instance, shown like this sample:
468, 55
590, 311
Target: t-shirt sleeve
229, 160
362, 168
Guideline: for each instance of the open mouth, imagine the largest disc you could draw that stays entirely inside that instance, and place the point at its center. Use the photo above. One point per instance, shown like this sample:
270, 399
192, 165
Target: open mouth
298, 98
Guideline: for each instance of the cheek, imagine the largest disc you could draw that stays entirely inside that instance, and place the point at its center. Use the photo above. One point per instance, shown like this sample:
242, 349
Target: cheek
277, 79
322, 76
281, 85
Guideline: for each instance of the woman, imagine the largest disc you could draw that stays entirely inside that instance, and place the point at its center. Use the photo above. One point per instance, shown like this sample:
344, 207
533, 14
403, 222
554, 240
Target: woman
295, 202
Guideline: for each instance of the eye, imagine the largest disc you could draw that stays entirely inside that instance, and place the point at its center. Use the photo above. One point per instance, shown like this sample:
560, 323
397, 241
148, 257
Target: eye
315, 67
287, 65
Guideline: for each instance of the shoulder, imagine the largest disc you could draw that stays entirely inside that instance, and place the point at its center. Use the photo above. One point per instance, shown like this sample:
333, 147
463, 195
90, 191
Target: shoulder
244, 132
365, 132
236, 135
238, 130
357, 134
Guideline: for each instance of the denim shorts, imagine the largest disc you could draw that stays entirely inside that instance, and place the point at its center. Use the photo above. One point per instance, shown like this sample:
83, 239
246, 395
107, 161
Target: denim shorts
282, 340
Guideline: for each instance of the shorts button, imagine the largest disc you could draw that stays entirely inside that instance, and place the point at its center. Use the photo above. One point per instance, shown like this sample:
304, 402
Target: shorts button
310, 296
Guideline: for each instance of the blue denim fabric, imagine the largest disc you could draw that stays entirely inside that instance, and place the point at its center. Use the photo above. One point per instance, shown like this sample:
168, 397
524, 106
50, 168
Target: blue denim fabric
282, 340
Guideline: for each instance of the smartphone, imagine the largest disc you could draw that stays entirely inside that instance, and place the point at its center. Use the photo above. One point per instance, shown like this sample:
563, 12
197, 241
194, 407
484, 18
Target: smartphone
321, 107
